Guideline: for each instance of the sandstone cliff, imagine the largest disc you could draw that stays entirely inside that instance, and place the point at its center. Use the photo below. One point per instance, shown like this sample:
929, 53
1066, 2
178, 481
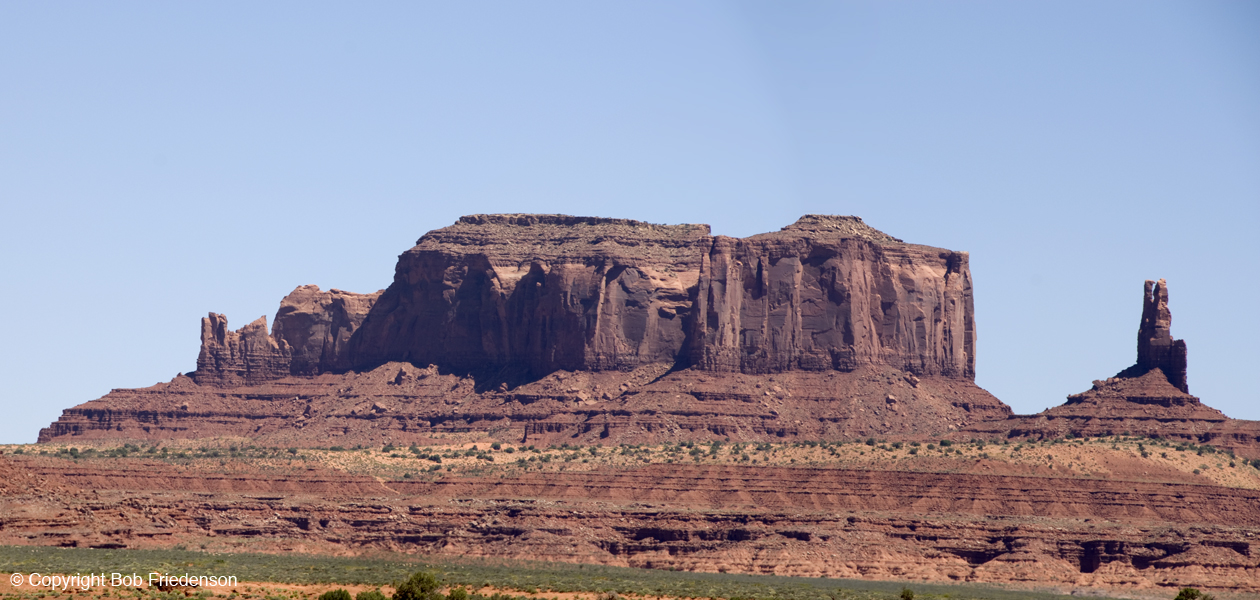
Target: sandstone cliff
318, 327
538, 293
541, 293
245, 356
833, 293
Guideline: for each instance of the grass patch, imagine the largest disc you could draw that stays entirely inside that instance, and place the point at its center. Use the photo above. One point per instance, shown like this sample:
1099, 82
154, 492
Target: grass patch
390, 569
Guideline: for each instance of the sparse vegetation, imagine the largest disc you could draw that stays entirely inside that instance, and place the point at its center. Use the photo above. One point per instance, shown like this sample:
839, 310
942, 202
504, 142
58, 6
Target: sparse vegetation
420, 586
472, 579
1190, 593
1096, 457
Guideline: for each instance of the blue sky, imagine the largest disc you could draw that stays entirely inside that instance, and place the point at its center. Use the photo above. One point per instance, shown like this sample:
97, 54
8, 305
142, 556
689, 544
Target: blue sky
159, 161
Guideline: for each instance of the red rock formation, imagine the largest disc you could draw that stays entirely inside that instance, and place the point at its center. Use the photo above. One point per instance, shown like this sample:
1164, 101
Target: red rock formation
548, 292
814, 522
1156, 348
401, 403
833, 293
537, 293
1149, 398
245, 356
868, 335
318, 326
310, 337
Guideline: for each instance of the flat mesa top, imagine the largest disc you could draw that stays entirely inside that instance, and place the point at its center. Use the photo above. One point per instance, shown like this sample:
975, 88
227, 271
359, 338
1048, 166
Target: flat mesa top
562, 228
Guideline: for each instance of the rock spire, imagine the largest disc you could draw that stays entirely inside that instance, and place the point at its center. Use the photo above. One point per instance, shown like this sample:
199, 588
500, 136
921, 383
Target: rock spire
1156, 348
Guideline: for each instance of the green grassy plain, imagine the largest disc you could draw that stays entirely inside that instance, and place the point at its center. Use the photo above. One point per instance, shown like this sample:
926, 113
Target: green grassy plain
526, 580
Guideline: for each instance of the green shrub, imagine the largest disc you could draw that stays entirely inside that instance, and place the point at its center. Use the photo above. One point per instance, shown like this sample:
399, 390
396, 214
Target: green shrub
907, 594
370, 595
337, 594
1190, 593
421, 586
458, 593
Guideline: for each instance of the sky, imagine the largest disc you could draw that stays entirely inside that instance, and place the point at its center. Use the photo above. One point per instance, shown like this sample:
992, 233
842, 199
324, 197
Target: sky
159, 161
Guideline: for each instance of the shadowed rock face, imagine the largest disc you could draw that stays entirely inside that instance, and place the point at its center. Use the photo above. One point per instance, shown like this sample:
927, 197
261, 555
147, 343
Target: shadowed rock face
548, 292
318, 326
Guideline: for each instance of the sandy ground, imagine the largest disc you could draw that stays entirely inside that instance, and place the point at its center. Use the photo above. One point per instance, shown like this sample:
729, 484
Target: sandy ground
1099, 458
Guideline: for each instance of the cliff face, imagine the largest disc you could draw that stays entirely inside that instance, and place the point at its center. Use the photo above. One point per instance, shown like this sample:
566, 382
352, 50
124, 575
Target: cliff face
833, 293
245, 356
548, 292
318, 327
539, 293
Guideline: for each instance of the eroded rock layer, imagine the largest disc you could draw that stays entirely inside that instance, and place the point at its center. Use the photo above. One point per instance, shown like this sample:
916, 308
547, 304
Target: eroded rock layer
401, 403
788, 521
832, 293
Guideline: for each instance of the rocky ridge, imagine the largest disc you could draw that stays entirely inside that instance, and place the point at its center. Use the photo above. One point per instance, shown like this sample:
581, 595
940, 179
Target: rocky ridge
403, 404
868, 524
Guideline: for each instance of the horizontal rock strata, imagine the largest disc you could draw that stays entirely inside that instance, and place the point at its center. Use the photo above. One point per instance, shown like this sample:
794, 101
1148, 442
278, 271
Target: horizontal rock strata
805, 522
401, 403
